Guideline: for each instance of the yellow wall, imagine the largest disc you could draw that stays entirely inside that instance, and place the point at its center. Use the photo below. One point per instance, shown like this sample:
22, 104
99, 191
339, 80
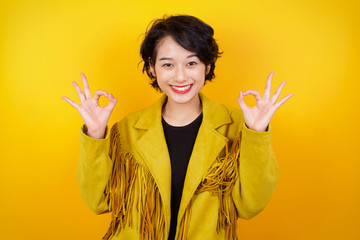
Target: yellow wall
314, 45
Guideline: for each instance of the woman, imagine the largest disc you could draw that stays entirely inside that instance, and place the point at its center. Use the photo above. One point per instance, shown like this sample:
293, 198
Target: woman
186, 167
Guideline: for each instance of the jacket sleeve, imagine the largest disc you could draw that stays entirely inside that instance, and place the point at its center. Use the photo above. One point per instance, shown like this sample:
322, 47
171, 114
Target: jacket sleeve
258, 173
94, 170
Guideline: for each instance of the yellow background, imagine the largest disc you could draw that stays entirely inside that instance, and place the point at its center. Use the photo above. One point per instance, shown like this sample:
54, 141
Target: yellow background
314, 45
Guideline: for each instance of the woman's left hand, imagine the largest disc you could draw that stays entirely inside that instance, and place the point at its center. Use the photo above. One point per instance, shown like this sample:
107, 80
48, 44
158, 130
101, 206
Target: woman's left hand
258, 117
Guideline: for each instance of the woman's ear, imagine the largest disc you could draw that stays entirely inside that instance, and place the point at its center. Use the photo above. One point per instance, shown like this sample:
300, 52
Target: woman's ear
208, 67
152, 69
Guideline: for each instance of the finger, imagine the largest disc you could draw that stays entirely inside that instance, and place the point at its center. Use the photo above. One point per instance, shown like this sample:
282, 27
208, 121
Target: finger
86, 86
72, 103
276, 95
267, 91
255, 93
79, 91
283, 100
112, 102
241, 101
98, 93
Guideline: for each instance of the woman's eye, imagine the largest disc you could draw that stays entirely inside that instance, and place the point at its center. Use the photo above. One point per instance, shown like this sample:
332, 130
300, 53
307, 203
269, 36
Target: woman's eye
192, 63
167, 65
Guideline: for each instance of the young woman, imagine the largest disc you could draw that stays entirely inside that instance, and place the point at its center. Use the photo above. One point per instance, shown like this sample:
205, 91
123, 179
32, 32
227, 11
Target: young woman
186, 167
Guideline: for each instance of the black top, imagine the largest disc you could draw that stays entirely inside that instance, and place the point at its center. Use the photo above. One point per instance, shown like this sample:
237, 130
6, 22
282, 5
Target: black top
180, 142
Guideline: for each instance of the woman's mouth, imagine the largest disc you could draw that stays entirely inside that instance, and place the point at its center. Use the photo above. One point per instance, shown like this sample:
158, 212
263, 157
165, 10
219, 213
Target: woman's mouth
181, 89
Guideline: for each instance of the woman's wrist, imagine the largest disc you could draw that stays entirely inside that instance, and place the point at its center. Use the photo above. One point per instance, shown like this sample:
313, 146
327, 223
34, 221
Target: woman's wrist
258, 129
97, 134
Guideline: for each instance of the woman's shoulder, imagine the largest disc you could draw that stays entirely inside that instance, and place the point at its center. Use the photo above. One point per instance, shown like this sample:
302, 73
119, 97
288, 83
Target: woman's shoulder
234, 112
129, 120
217, 108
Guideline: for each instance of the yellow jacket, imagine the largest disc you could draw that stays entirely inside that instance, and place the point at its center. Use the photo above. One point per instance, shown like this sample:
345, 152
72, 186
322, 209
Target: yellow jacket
232, 174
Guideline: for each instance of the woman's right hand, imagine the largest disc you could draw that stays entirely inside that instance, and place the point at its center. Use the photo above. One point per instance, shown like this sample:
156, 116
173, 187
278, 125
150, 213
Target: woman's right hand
94, 116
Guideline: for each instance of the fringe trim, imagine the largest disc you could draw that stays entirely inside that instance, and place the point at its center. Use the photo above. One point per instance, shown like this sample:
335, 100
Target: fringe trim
220, 181
184, 223
128, 177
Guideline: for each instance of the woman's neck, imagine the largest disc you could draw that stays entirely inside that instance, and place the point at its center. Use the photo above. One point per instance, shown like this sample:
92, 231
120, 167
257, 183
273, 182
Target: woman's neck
181, 114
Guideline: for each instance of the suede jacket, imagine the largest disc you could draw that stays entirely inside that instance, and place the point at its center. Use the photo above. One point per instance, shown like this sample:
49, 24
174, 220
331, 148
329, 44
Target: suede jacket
232, 173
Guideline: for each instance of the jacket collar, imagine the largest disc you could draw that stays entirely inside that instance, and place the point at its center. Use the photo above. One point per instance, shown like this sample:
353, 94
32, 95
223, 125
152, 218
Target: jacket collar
216, 113
152, 149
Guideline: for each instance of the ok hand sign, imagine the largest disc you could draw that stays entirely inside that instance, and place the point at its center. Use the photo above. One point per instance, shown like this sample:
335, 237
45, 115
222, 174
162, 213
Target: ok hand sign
258, 117
94, 116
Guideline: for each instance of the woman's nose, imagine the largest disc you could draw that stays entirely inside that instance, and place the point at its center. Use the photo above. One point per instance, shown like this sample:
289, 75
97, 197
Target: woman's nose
180, 74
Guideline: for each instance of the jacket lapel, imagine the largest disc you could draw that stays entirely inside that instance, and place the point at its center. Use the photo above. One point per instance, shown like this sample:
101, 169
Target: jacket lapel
152, 149
208, 145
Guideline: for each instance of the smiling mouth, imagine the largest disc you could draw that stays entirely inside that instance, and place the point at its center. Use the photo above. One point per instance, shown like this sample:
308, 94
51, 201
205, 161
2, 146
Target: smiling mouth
181, 89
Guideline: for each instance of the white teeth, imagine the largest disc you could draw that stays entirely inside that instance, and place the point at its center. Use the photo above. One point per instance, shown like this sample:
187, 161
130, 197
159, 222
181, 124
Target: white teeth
181, 88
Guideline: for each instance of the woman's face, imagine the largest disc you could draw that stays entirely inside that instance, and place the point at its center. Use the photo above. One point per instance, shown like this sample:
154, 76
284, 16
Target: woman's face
180, 74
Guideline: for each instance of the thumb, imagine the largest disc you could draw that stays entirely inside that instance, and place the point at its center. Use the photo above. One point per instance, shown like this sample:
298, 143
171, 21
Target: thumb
112, 102
241, 101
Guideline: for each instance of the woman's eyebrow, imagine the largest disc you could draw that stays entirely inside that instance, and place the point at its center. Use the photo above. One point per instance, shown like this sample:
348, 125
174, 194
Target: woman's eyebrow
192, 55
169, 58
165, 58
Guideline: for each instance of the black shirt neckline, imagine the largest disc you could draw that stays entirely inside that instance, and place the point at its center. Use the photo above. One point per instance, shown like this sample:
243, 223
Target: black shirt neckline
185, 126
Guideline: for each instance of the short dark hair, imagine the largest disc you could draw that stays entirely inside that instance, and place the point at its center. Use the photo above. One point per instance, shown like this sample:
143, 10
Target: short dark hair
189, 32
